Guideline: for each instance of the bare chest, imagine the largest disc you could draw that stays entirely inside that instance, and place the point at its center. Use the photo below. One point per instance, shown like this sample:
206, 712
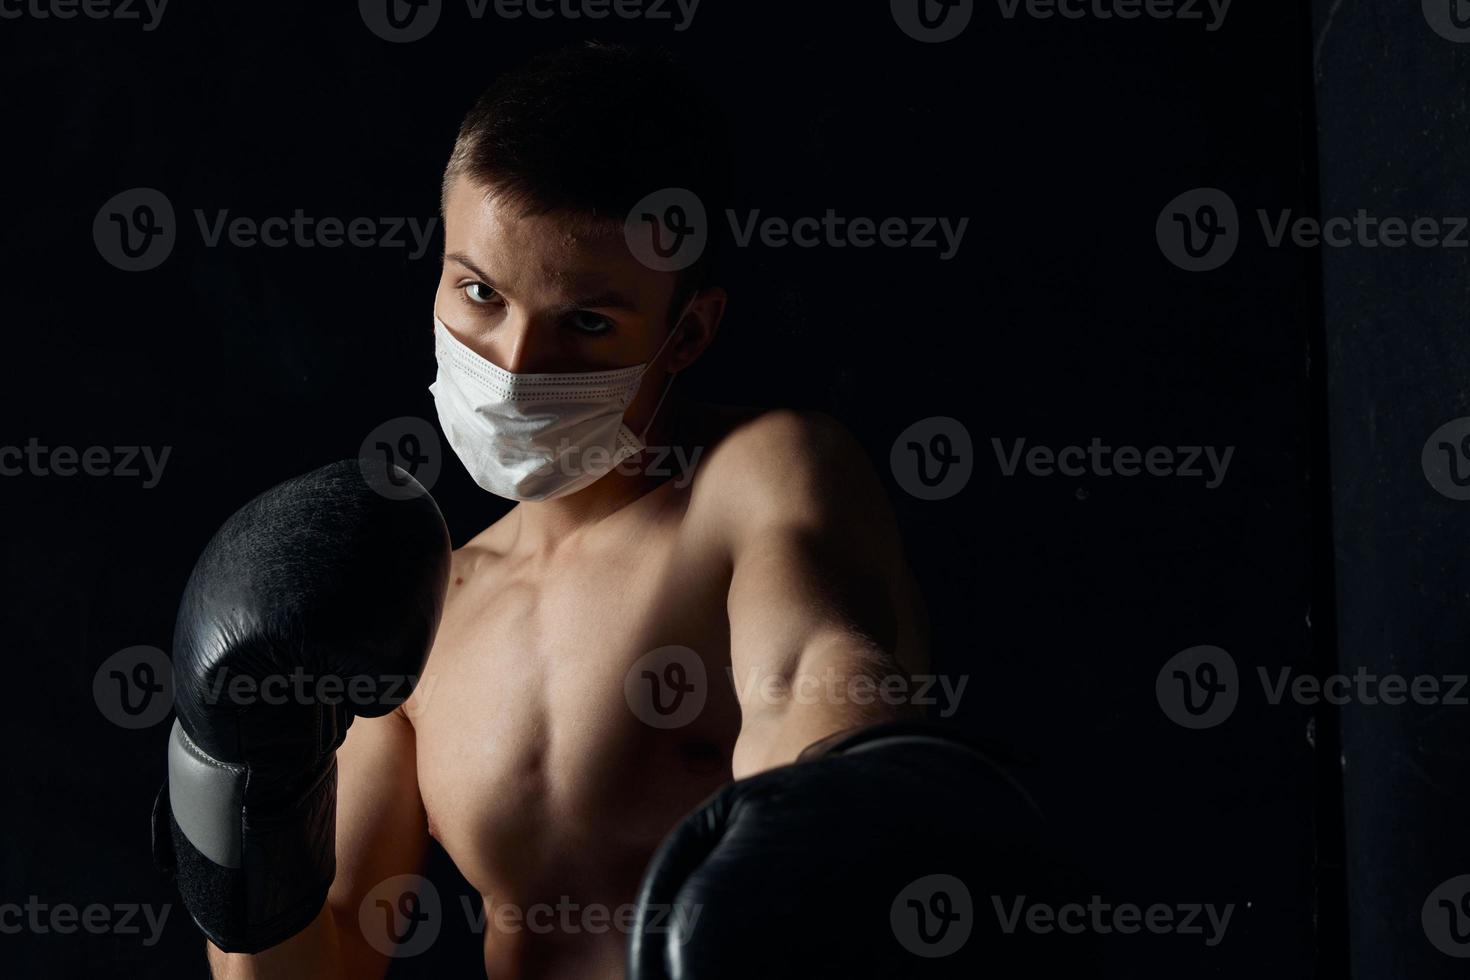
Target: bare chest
570, 713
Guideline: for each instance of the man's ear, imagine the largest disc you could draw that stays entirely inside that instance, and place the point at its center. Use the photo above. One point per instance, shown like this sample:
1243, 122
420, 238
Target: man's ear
698, 328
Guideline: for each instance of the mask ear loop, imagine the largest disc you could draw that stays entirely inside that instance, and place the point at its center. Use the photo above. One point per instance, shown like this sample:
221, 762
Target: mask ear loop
669, 383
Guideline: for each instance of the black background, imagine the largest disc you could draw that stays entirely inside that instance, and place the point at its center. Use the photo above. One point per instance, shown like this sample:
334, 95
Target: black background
1059, 321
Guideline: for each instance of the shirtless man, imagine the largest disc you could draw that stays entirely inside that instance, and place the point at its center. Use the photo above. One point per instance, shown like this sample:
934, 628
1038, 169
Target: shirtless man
773, 568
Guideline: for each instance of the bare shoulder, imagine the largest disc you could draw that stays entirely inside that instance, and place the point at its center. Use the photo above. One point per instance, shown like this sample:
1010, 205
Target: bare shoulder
479, 553
788, 466
774, 446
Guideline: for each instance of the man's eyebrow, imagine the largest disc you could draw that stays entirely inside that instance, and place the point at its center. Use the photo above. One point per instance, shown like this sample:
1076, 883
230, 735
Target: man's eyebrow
464, 260
607, 299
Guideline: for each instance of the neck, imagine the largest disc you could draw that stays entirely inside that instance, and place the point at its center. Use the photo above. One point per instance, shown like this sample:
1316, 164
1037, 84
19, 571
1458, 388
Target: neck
542, 526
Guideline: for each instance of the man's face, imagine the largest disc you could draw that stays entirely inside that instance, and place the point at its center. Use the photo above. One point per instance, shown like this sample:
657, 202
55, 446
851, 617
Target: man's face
539, 295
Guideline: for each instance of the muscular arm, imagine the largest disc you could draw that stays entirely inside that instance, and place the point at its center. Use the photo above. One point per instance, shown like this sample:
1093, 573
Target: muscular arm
822, 606
381, 832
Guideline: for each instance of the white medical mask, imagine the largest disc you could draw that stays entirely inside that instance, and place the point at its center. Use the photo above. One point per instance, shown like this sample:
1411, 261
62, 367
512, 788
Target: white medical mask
534, 437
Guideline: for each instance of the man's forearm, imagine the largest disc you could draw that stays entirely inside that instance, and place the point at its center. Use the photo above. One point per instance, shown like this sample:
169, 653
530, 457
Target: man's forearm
314, 953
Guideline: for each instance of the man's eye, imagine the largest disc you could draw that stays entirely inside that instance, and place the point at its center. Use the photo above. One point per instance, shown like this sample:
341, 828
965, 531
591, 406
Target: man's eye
589, 322
480, 294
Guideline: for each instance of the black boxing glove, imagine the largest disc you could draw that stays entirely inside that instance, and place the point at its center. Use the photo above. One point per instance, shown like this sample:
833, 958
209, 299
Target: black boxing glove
315, 602
879, 853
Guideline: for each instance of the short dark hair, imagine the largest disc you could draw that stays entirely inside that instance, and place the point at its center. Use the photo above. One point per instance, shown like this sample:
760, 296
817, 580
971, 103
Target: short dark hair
588, 131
